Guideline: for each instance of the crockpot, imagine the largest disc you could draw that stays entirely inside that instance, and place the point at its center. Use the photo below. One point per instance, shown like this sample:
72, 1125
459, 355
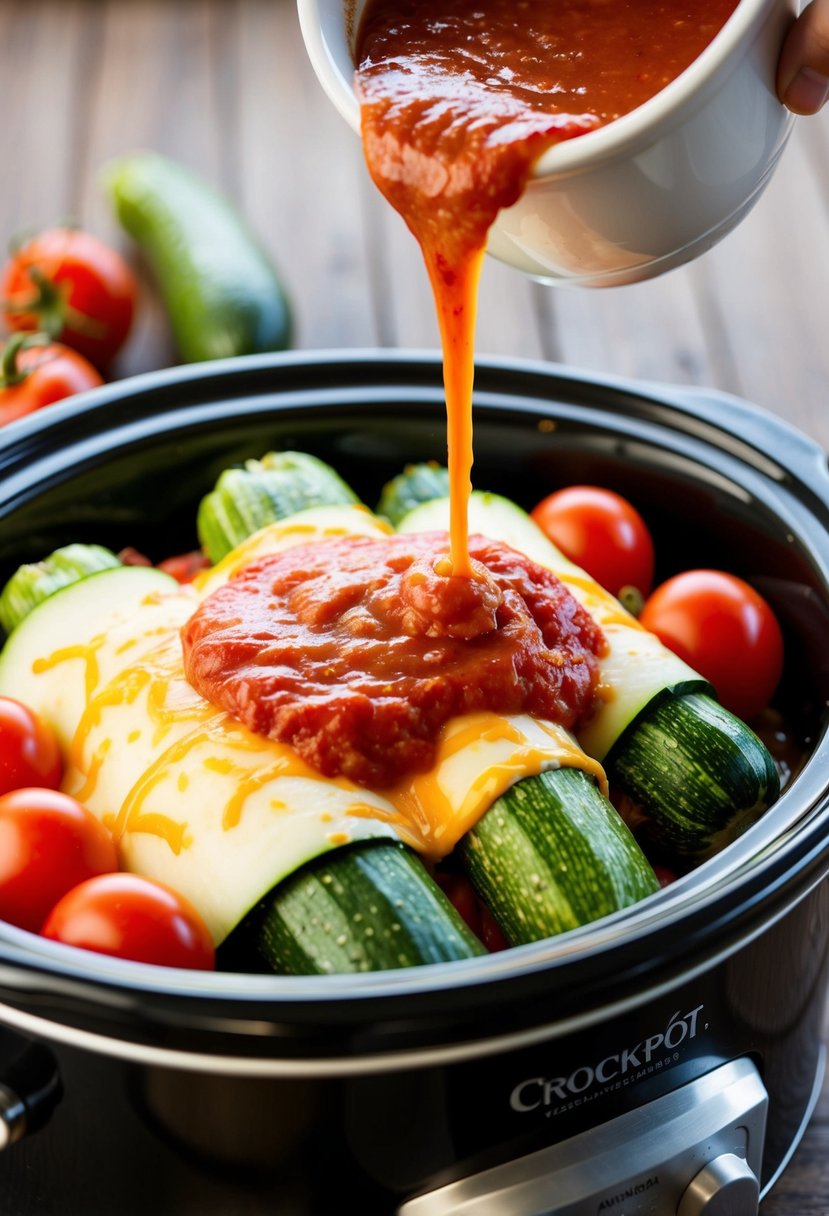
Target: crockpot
664, 1059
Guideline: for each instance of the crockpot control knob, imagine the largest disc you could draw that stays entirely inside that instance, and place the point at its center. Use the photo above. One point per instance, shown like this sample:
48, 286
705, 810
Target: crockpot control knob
726, 1186
30, 1088
12, 1117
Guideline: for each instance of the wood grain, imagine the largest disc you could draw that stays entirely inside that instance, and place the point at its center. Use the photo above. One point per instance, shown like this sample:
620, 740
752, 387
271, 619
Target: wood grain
224, 86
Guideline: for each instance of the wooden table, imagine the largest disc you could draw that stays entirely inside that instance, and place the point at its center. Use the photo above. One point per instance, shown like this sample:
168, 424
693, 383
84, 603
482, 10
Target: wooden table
224, 86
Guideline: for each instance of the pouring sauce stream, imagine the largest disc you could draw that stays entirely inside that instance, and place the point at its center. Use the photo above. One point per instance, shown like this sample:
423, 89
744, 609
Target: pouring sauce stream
458, 101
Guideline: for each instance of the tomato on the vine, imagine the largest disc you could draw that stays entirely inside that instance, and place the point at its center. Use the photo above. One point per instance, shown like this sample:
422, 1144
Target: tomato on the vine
603, 533
725, 630
73, 286
127, 916
29, 753
35, 372
49, 843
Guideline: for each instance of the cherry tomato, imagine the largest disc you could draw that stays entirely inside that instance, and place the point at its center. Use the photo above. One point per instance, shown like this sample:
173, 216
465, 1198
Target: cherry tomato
601, 532
726, 631
461, 895
664, 875
74, 287
48, 844
492, 935
29, 753
185, 566
130, 917
38, 374
133, 557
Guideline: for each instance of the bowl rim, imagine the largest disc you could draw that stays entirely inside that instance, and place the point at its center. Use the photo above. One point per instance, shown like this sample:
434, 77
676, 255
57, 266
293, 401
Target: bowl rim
645, 125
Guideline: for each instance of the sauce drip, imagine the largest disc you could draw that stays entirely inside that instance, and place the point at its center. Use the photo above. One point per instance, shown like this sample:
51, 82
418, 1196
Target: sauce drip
459, 100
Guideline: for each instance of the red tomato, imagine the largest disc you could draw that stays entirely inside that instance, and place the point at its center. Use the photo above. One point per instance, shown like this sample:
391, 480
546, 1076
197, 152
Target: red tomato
29, 752
185, 566
461, 895
601, 532
492, 935
664, 875
38, 374
72, 286
726, 631
127, 916
48, 844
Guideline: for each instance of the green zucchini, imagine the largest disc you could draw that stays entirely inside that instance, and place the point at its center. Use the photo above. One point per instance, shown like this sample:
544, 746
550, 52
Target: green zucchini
365, 908
697, 775
32, 583
262, 492
221, 292
551, 854
417, 483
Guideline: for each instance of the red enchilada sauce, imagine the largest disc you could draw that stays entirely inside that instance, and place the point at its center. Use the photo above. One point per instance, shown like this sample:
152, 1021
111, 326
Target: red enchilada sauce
458, 101
356, 652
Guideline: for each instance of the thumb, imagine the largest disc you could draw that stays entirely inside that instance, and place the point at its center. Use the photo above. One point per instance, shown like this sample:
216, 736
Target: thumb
803, 68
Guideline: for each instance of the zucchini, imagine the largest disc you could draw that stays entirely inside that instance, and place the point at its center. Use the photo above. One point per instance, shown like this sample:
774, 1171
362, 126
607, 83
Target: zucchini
697, 775
417, 483
551, 855
263, 491
360, 909
220, 290
30, 584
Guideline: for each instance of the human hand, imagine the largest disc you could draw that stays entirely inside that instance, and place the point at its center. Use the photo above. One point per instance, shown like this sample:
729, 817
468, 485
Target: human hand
803, 68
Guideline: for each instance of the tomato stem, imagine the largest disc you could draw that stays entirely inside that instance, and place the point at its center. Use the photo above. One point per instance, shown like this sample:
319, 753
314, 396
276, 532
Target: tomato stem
47, 303
10, 371
50, 304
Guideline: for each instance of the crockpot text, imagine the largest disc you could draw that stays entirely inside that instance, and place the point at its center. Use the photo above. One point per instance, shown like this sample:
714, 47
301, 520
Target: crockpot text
537, 1092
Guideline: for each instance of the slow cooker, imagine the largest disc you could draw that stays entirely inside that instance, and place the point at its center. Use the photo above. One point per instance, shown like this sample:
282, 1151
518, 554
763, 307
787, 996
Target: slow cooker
664, 1059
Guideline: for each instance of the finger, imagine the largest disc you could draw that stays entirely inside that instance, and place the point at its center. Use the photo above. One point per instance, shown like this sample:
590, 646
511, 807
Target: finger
803, 68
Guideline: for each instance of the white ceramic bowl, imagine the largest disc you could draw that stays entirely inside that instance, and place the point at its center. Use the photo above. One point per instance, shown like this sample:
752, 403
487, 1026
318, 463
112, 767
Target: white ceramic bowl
646, 193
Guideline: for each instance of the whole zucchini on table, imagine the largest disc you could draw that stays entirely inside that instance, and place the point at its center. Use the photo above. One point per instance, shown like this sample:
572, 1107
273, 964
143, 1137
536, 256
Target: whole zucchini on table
221, 292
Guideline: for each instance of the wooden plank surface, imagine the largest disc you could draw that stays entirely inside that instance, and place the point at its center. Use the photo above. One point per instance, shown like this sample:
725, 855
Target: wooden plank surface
224, 86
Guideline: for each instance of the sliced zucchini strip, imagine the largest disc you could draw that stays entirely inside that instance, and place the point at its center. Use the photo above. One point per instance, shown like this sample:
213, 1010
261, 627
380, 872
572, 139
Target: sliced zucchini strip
416, 484
699, 775
262, 492
33, 583
553, 854
367, 908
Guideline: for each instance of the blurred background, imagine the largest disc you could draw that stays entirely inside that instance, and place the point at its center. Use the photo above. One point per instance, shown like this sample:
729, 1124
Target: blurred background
224, 87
